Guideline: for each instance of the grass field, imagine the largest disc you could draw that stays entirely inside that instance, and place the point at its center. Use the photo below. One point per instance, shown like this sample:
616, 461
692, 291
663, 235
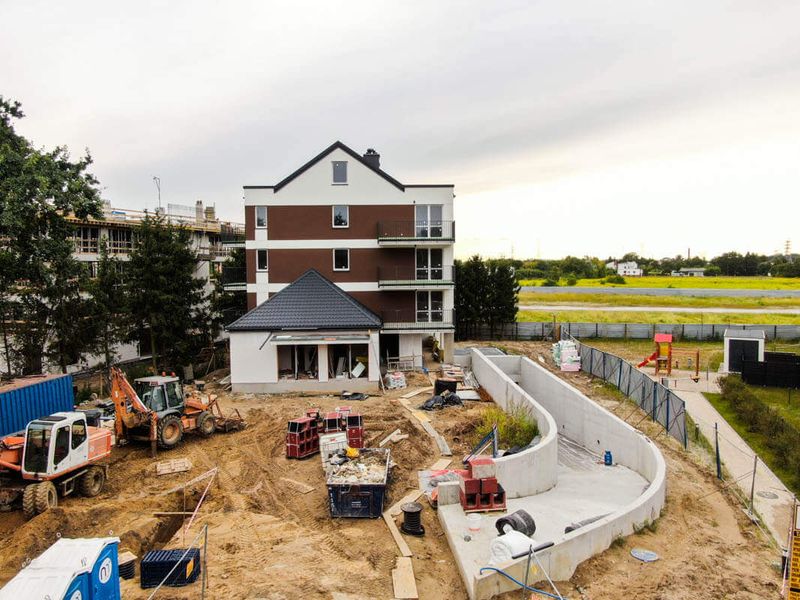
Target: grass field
676, 318
601, 299
728, 283
757, 441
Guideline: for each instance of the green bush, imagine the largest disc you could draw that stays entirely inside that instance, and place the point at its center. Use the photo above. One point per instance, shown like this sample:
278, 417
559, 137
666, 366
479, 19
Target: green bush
517, 427
549, 283
571, 280
618, 279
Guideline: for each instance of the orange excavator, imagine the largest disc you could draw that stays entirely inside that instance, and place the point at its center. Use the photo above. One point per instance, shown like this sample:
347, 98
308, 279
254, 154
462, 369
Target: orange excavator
155, 409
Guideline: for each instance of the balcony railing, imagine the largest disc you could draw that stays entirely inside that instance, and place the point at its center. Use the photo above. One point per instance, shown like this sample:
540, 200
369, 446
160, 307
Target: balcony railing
411, 277
233, 278
231, 235
422, 320
417, 231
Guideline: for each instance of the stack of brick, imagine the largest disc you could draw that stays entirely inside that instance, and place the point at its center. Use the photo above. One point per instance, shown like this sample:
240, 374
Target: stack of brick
302, 438
480, 490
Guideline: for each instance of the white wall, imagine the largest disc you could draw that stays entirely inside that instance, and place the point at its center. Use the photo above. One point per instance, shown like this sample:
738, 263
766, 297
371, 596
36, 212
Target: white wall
252, 361
411, 345
534, 470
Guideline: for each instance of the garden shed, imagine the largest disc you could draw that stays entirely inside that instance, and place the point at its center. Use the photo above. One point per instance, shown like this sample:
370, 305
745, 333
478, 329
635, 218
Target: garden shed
741, 345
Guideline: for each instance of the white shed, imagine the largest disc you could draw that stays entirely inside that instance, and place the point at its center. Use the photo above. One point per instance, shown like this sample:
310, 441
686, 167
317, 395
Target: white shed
742, 344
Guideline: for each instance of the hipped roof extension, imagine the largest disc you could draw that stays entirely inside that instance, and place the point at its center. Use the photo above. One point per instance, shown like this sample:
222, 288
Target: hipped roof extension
355, 155
309, 303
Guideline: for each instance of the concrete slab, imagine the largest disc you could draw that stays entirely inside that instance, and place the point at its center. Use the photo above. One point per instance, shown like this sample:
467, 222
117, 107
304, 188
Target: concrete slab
579, 471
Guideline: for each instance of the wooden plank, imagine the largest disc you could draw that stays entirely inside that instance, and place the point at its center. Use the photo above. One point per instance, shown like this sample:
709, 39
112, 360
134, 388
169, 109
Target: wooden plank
298, 485
395, 509
444, 449
440, 464
173, 465
398, 539
405, 585
386, 440
417, 392
420, 416
177, 488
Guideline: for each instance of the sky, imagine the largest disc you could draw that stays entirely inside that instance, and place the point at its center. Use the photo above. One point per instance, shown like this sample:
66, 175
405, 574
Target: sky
576, 127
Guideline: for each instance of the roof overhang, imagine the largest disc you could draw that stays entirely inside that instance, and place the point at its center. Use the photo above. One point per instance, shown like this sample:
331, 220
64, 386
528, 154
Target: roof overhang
298, 339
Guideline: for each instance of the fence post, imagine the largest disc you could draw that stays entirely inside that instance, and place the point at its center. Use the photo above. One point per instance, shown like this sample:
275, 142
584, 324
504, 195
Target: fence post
604, 366
619, 376
205, 563
591, 362
668, 401
716, 450
753, 484
630, 376
655, 397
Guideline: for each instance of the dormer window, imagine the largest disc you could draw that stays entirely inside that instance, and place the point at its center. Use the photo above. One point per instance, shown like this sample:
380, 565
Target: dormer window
340, 172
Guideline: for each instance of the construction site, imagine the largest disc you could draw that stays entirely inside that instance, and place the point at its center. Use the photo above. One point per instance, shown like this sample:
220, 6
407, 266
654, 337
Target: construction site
272, 510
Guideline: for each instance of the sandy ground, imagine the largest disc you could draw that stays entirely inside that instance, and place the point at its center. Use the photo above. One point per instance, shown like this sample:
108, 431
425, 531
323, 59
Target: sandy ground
268, 541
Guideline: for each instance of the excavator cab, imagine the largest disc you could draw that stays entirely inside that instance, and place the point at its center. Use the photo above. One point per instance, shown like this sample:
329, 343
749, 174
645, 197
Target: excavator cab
55, 444
163, 395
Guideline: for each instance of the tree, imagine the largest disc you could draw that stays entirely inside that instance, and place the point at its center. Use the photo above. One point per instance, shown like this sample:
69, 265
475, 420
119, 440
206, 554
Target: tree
470, 295
502, 295
107, 305
42, 308
165, 300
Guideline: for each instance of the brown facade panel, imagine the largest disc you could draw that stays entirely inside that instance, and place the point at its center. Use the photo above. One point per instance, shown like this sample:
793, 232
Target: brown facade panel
287, 265
250, 222
250, 261
386, 302
316, 222
251, 300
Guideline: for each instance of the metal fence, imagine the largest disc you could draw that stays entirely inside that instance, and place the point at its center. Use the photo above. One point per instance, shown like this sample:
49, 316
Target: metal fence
641, 331
662, 405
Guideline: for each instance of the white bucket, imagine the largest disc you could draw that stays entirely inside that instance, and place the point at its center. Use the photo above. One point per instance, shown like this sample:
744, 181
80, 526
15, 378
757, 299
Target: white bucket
473, 523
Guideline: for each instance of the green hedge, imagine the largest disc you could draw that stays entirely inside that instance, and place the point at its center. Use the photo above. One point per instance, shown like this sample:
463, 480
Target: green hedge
779, 435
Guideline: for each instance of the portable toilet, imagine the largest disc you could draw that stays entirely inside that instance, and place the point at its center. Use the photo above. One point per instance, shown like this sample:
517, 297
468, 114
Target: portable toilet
70, 569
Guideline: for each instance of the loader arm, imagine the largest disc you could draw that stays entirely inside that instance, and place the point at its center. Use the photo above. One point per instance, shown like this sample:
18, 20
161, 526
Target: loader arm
123, 393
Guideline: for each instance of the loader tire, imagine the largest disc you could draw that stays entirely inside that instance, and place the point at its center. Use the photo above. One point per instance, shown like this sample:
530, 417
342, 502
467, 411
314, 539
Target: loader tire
45, 497
92, 482
29, 501
206, 424
170, 432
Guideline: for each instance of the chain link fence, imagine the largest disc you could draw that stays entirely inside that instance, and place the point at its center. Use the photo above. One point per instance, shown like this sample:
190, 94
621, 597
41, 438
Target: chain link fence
661, 404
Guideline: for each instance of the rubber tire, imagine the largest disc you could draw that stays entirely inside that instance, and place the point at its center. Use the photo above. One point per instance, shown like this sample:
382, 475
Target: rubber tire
92, 482
206, 424
168, 425
46, 497
29, 501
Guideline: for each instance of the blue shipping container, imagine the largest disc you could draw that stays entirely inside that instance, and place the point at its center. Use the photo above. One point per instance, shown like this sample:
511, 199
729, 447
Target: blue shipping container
29, 398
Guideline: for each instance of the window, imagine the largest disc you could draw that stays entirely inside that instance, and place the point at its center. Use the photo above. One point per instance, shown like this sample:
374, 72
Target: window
341, 216
340, 172
120, 241
341, 259
37, 445
174, 396
78, 433
261, 260
430, 307
86, 239
429, 264
429, 220
61, 449
261, 217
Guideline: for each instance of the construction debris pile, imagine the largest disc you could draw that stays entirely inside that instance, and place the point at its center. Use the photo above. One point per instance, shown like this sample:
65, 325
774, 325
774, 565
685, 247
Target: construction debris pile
566, 356
369, 467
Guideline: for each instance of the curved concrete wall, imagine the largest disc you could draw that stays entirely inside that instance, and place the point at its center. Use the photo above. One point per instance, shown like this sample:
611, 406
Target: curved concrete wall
534, 470
587, 423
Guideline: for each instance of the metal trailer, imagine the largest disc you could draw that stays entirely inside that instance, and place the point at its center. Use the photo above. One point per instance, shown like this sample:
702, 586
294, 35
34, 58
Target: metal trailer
28, 398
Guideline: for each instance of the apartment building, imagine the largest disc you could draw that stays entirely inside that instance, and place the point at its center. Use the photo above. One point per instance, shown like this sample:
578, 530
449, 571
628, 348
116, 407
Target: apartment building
386, 244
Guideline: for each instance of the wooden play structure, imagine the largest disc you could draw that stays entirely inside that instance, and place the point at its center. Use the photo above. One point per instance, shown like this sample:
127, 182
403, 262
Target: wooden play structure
666, 357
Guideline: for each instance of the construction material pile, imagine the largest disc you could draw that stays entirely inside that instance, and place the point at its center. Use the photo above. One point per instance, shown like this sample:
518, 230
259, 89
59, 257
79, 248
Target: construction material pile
370, 467
566, 356
395, 380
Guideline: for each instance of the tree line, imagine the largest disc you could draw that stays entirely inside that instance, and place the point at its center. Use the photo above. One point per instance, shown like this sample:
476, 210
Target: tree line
729, 264
486, 293
51, 308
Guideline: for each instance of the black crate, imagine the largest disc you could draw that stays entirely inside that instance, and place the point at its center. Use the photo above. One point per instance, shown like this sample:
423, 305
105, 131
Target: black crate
156, 564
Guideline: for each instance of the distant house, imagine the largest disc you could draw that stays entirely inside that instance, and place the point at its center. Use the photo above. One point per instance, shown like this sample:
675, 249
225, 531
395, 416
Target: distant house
690, 272
626, 269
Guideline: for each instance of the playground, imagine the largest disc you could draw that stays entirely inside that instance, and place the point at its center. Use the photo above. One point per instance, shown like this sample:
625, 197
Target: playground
665, 357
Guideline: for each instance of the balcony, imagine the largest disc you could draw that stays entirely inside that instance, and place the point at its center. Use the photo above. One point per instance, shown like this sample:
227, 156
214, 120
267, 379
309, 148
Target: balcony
420, 278
410, 320
416, 233
231, 236
234, 279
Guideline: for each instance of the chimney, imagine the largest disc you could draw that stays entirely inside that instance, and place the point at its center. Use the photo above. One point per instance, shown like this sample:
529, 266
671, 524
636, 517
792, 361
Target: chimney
199, 213
372, 158
211, 213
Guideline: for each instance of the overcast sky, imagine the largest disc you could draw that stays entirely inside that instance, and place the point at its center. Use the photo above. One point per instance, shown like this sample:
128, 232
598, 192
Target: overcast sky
577, 128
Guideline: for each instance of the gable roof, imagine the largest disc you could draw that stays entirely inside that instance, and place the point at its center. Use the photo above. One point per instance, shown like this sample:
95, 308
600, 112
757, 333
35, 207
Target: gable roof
311, 302
337, 145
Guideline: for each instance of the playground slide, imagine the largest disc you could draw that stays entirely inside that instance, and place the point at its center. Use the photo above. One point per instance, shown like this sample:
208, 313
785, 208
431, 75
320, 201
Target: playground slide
652, 357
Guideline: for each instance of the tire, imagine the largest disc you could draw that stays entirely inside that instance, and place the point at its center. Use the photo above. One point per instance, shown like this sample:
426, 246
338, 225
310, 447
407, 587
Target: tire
206, 424
45, 497
29, 501
92, 482
170, 432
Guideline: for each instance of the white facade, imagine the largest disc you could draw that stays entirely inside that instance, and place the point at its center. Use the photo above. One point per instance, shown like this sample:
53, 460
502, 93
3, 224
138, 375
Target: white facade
626, 269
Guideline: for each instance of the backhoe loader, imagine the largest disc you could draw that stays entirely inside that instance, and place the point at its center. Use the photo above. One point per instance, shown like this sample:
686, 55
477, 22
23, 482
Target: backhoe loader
155, 409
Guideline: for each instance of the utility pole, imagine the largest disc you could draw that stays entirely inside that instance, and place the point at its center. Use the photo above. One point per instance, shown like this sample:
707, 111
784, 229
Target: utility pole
753, 485
157, 181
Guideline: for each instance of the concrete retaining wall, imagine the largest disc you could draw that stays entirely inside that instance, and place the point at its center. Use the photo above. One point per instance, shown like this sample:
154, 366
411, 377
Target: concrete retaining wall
535, 469
585, 422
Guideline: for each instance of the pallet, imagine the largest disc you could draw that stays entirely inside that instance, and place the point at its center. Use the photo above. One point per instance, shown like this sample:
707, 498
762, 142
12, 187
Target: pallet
173, 465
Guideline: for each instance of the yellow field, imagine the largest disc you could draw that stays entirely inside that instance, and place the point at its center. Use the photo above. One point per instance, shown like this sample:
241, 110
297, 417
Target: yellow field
600, 316
728, 283
633, 299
